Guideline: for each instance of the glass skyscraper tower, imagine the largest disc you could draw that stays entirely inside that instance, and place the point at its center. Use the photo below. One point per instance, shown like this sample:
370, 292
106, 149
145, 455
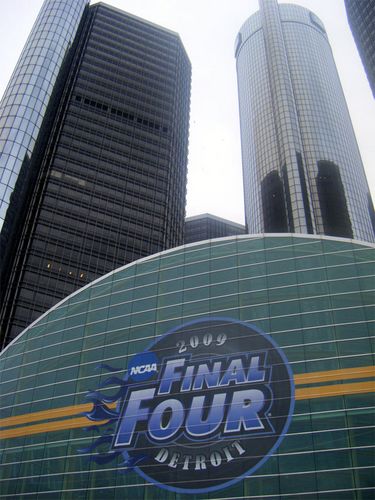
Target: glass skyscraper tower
106, 181
361, 17
302, 168
29, 91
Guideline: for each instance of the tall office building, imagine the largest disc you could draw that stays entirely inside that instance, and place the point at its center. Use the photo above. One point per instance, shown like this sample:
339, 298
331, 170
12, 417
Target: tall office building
361, 17
28, 94
108, 175
302, 168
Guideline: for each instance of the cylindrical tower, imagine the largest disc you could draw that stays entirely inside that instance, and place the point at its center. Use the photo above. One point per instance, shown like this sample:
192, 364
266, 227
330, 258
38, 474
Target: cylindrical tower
29, 90
302, 167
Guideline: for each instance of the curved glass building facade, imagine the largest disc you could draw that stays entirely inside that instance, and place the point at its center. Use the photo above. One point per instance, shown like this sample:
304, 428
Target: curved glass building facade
29, 90
302, 168
66, 382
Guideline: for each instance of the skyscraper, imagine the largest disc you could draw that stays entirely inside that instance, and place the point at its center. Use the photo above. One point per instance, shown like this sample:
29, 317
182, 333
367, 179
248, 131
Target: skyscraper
361, 17
28, 94
110, 177
302, 168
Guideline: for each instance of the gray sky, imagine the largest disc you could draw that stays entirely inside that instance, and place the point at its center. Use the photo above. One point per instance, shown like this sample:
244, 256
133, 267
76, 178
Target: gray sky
208, 29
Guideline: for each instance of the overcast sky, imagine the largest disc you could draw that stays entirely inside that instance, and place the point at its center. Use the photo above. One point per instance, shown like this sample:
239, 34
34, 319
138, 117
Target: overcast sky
208, 29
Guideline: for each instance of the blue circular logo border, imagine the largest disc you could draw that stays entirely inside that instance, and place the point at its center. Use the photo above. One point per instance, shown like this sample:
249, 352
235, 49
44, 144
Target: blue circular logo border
276, 444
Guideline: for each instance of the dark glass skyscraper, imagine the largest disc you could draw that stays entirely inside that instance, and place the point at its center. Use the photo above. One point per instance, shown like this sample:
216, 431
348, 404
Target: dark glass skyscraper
361, 17
302, 168
110, 178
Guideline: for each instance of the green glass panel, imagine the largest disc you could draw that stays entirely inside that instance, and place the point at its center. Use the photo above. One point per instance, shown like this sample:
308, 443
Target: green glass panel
149, 266
297, 484
339, 480
196, 254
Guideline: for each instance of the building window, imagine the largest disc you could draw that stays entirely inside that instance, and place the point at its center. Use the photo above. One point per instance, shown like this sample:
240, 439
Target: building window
274, 212
332, 201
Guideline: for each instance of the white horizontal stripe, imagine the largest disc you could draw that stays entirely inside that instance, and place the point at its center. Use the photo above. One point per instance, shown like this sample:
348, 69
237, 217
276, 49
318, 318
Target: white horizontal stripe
111, 359
212, 312
114, 486
35, 324
69, 367
354, 247
292, 453
32, 387
88, 438
239, 294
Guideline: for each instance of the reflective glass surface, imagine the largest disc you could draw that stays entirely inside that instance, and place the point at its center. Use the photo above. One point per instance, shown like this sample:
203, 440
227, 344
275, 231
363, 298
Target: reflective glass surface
313, 296
294, 117
27, 95
117, 151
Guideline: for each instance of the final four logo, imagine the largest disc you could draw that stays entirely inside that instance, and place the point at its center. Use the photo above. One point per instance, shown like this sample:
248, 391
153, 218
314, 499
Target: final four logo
205, 405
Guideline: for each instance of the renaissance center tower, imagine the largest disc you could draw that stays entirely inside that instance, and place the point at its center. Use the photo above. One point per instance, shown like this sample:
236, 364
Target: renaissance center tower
302, 168
95, 149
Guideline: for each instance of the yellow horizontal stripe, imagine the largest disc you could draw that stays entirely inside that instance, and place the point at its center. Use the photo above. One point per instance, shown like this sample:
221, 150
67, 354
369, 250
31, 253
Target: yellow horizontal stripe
344, 374
301, 393
45, 415
334, 390
66, 411
74, 423
58, 425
